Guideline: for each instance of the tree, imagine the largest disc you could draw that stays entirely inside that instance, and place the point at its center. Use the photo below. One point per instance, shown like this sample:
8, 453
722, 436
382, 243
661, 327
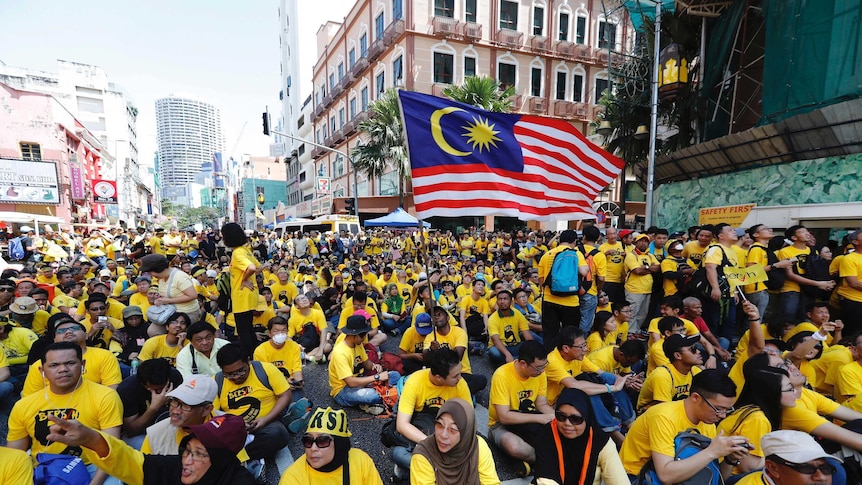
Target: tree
385, 142
483, 92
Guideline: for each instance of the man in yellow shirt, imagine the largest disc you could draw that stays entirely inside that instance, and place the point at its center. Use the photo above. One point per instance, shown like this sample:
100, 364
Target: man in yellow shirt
507, 329
672, 382
640, 266
156, 242
850, 292
792, 458
474, 310
598, 271
694, 250
558, 311
446, 334
720, 308
615, 252
792, 301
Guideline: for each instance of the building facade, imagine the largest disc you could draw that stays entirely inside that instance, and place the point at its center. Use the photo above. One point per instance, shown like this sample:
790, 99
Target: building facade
188, 132
555, 54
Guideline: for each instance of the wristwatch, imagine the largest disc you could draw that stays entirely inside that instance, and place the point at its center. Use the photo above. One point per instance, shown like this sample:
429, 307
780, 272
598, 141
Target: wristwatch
732, 463
376, 377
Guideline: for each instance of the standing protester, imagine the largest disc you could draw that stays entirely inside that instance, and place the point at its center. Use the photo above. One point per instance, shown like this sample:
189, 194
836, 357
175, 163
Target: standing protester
558, 311
243, 268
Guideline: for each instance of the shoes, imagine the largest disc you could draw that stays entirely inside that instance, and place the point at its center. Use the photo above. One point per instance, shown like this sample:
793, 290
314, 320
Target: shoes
522, 469
297, 409
373, 409
398, 473
257, 469
301, 412
476, 348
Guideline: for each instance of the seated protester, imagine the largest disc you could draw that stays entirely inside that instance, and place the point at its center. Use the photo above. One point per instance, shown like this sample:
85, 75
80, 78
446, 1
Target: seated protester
375, 337
507, 330
284, 290
167, 346
200, 356
848, 385
671, 382
42, 343
351, 373
619, 359
261, 316
100, 327
15, 344
307, 326
413, 342
26, 313
144, 397
189, 403
329, 457
331, 306
652, 435
474, 310
827, 368
806, 346
207, 455
257, 392
420, 400
100, 366
455, 454
15, 467
667, 326
792, 458
68, 300
518, 405
622, 311
115, 308
532, 313
394, 310
603, 333
671, 307
446, 334
573, 450
568, 367
132, 335
693, 311
283, 353
42, 299
67, 395
6, 385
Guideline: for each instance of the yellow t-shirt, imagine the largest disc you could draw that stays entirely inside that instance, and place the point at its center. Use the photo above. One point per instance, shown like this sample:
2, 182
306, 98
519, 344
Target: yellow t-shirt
559, 369
411, 341
545, 269
615, 266
344, 362
663, 385
242, 298
599, 267
808, 412
348, 312
849, 384
100, 366
420, 395
157, 245
297, 322
106, 333
140, 300
422, 473
596, 342
157, 348
511, 390
251, 399
799, 267
508, 328
94, 406
669, 265
15, 467
828, 367
851, 265
753, 426
362, 470
714, 255
16, 347
288, 359
474, 307
457, 337
757, 254
284, 292
690, 327
694, 252
604, 360
639, 284
655, 431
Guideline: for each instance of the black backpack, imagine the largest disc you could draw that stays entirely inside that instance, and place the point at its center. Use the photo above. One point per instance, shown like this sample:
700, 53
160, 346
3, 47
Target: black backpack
817, 269
777, 276
224, 292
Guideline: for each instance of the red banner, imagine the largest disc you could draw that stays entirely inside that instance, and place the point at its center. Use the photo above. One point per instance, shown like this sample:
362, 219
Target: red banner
105, 191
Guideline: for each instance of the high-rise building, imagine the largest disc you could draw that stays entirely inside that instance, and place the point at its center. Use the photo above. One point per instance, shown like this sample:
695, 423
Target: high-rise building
189, 131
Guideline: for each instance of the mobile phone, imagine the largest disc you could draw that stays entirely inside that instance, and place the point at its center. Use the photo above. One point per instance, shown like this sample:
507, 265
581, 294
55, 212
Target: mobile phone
103, 319
747, 445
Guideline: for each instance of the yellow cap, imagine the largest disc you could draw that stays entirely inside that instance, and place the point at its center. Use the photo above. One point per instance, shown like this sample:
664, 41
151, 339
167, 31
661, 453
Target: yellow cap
261, 304
330, 421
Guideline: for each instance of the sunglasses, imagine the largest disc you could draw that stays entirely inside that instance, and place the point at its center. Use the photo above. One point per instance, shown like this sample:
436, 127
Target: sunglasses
322, 441
7, 290
575, 419
804, 468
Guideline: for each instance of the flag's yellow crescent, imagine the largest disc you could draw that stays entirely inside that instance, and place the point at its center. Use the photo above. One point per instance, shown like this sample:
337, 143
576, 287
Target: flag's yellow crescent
437, 131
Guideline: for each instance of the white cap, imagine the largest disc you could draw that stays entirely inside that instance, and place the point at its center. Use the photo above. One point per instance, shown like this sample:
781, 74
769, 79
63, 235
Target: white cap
211, 273
196, 389
26, 229
792, 446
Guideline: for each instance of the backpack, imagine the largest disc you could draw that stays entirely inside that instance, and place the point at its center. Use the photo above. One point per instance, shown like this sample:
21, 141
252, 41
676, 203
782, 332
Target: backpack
777, 276
224, 290
16, 249
699, 284
564, 279
817, 269
587, 281
53, 469
686, 444
259, 372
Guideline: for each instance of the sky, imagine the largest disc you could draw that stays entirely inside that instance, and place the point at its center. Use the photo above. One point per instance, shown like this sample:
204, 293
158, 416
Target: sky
225, 52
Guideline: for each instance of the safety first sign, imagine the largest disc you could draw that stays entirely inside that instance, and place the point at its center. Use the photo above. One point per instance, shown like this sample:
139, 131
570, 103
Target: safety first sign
732, 214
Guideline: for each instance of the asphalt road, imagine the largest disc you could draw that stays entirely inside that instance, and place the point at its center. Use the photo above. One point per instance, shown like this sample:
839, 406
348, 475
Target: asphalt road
365, 428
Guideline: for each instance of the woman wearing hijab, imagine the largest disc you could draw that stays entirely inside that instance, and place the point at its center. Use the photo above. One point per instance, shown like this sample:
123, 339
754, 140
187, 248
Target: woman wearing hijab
329, 459
454, 454
207, 455
572, 450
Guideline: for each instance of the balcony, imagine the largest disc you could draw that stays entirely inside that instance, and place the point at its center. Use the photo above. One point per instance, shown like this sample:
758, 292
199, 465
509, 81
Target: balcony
510, 38
540, 43
537, 105
327, 100
437, 89
580, 111
563, 108
472, 30
375, 49
446, 27
585, 53
617, 59
602, 58
393, 32
517, 102
361, 65
316, 153
346, 80
337, 136
350, 127
336, 91
318, 110
565, 48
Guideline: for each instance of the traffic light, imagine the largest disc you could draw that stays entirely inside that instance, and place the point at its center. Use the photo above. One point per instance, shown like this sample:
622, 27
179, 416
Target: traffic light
350, 206
266, 123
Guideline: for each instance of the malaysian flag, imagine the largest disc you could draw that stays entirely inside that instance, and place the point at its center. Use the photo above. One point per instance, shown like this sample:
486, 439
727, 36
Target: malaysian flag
469, 162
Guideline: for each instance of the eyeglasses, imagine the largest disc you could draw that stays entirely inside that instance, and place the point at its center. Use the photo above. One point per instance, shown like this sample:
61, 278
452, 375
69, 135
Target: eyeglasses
453, 429
176, 403
7, 290
61, 331
575, 419
804, 468
98, 308
196, 457
322, 441
540, 368
718, 411
237, 373
792, 389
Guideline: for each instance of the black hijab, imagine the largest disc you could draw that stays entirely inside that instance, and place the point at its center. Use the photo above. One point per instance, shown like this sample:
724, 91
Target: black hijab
579, 455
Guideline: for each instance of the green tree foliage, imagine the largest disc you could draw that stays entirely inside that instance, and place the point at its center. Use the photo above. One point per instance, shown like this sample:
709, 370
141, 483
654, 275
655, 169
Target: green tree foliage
482, 92
383, 141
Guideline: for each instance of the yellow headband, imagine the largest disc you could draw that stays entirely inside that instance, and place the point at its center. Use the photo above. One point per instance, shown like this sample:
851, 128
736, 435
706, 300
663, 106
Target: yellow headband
330, 421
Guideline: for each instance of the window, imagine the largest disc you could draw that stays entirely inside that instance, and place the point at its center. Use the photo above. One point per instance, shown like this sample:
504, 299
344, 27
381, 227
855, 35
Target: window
352, 112
578, 88
469, 66
341, 117
601, 87
506, 75
581, 30
509, 15
398, 71
470, 10
378, 27
321, 169
561, 86
444, 8
351, 58
364, 97
397, 9
338, 166
31, 151
319, 136
389, 183
607, 35
538, 21
325, 131
535, 82
331, 81
340, 71
381, 84
332, 125
363, 45
444, 71
564, 26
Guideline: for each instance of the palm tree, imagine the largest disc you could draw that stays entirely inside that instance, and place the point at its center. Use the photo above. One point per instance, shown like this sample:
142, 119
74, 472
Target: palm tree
482, 92
385, 142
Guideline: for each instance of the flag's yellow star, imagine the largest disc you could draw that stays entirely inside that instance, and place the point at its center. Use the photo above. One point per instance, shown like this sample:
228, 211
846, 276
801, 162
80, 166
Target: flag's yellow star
481, 134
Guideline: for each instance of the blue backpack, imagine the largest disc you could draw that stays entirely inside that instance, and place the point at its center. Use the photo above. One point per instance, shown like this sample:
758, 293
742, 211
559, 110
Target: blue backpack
55, 469
687, 443
563, 279
16, 249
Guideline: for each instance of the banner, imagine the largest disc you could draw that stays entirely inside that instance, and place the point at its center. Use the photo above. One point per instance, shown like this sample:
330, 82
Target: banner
733, 214
77, 181
745, 276
105, 191
28, 182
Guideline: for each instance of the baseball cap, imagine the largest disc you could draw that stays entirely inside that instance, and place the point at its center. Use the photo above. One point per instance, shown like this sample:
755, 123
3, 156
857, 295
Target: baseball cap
211, 273
329, 421
132, 310
26, 229
196, 389
24, 305
640, 236
221, 432
793, 446
675, 342
625, 232
105, 272
423, 324
261, 304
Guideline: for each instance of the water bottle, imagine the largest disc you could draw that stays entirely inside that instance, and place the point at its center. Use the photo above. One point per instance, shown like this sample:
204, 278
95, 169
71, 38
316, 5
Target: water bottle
135, 364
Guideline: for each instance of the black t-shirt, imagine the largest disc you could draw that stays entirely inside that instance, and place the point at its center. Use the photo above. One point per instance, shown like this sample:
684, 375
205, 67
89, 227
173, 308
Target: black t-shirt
136, 397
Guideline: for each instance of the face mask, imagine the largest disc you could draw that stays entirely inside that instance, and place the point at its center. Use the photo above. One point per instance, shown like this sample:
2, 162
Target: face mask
345, 275
279, 338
